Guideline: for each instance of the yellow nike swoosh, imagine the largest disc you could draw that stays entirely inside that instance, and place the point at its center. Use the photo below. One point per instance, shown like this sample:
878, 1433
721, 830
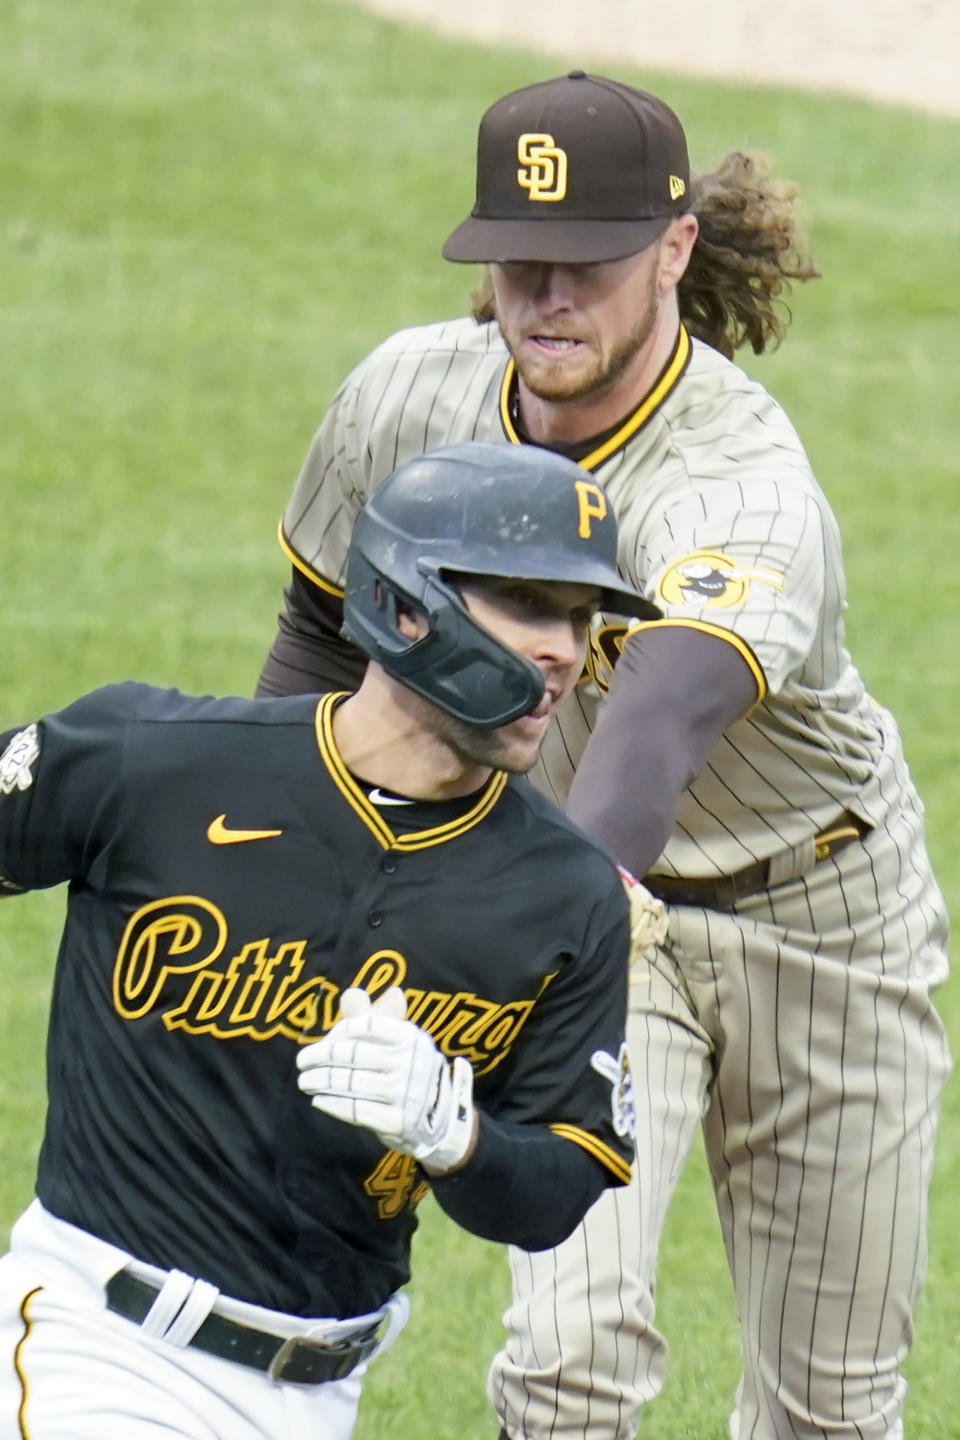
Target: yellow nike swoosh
218, 834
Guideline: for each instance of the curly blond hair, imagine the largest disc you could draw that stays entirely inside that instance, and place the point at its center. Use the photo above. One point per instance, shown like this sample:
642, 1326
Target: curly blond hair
748, 253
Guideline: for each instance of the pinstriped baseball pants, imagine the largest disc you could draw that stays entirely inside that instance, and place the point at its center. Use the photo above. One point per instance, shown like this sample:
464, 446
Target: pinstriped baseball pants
801, 1033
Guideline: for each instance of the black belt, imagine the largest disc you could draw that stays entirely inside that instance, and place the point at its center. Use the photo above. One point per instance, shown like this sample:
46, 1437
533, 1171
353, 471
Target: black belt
298, 1360
724, 891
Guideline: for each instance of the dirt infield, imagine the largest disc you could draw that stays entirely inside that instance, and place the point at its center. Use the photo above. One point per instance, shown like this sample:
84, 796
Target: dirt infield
898, 52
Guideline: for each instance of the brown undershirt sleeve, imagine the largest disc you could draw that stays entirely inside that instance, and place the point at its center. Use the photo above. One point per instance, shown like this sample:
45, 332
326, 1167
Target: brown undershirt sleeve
309, 655
674, 692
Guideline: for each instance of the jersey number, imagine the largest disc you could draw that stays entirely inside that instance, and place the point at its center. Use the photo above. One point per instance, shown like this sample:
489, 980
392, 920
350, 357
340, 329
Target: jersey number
395, 1184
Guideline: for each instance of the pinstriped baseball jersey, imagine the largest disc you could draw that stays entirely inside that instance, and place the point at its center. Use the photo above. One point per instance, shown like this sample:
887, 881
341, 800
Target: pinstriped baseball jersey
722, 523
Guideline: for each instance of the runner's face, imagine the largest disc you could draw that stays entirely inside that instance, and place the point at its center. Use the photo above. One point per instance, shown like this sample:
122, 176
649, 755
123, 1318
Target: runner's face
548, 623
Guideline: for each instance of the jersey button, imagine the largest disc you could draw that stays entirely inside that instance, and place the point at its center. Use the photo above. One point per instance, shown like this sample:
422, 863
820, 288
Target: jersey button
389, 864
375, 918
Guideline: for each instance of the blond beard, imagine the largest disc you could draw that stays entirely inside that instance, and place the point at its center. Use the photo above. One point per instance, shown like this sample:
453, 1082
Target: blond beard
549, 380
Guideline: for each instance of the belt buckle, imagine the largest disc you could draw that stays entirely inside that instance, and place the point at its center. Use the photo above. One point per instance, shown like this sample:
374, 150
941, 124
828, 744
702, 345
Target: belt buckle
342, 1356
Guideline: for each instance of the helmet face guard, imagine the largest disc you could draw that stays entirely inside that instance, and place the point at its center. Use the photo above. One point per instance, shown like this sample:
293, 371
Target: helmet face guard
482, 510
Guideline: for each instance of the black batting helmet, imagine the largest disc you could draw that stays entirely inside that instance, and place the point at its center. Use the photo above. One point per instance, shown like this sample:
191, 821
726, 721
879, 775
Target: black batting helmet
475, 509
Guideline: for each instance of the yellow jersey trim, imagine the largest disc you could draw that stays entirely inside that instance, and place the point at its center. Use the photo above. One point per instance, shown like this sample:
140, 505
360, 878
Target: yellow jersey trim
370, 815
614, 1163
506, 385
423, 839
18, 1367
306, 569
741, 646
675, 368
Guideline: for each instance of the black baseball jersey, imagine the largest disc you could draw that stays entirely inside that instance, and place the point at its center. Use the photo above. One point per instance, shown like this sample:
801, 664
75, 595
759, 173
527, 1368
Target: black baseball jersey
228, 878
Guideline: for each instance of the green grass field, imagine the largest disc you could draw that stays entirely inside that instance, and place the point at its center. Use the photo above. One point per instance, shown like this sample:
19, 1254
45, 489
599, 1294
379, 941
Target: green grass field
209, 212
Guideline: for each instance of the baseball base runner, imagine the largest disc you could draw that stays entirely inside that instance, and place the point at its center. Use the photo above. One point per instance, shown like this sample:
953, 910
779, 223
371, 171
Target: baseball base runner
320, 955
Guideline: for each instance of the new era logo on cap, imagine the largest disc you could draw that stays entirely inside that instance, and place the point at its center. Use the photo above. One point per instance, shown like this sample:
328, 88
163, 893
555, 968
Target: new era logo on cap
573, 170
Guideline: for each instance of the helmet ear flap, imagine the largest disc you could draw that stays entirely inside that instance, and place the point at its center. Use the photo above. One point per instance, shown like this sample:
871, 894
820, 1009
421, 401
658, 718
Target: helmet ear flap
394, 604
371, 612
458, 665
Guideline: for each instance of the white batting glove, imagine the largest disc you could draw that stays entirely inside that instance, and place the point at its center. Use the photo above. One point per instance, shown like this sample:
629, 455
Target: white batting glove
377, 1069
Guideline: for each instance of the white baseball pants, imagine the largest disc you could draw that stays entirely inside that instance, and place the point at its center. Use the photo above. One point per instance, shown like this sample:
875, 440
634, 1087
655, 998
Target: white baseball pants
72, 1370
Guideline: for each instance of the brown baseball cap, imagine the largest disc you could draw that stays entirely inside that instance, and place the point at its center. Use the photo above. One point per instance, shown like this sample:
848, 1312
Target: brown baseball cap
574, 170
